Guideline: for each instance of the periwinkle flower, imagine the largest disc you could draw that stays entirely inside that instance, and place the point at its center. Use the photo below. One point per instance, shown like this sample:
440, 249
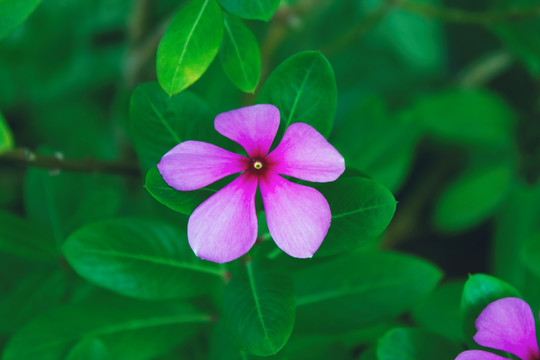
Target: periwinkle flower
507, 325
224, 227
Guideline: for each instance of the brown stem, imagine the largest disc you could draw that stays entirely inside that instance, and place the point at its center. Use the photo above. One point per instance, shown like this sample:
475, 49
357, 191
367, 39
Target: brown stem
26, 157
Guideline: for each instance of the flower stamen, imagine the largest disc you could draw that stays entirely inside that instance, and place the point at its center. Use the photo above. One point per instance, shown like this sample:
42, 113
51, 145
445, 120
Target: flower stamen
257, 164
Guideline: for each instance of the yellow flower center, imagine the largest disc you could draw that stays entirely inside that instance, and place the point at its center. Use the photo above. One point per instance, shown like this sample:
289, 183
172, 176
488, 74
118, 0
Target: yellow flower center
257, 164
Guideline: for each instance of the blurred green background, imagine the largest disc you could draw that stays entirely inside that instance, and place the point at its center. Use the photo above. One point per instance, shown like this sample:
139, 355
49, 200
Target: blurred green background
438, 100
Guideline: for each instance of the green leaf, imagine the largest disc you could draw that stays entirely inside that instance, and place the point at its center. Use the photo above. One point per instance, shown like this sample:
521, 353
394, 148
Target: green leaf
240, 55
440, 313
62, 202
182, 201
479, 291
303, 87
140, 258
129, 329
6, 138
471, 117
531, 253
159, 122
25, 239
473, 197
361, 210
30, 296
89, 349
189, 45
251, 9
259, 309
376, 142
414, 344
360, 289
13, 13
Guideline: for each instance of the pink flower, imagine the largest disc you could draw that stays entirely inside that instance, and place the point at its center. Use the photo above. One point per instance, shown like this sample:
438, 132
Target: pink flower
224, 227
507, 325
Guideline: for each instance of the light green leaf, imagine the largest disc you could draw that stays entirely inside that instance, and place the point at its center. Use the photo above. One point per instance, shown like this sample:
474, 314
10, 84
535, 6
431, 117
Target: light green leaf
259, 309
361, 210
251, 9
360, 289
154, 327
13, 13
479, 291
473, 197
189, 45
140, 258
240, 55
6, 138
415, 344
182, 201
303, 87
159, 122
471, 117
89, 349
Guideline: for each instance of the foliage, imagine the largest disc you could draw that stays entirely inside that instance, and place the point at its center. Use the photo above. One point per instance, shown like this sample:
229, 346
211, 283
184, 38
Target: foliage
434, 107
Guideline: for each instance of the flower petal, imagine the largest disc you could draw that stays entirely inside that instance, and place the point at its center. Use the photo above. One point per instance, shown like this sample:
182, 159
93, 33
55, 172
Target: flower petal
253, 127
298, 216
508, 325
224, 227
305, 154
479, 355
192, 165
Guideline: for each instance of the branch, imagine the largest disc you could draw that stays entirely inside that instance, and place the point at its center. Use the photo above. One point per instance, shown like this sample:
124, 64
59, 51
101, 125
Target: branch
27, 158
471, 17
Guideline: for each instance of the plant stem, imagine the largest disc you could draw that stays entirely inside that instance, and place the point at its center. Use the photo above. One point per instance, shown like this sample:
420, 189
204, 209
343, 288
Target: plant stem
26, 157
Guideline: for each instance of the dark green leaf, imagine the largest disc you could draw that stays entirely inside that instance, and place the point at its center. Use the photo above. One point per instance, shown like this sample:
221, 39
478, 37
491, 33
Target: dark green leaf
479, 291
251, 9
303, 87
189, 45
360, 289
531, 253
440, 313
13, 13
240, 55
31, 296
182, 201
159, 121
129, 329
473, 197
6, 138
141, 258
414, 344
89, 349
467, 116
361, 210
25, 239
259, 309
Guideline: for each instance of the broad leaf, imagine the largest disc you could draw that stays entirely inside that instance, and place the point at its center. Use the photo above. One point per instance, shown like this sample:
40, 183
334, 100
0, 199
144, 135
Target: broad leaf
360, 289
259, 309
240, 55
303, 87
155, 328
479, 291
159, 122
141, 258
189, 45
89, 349
6, 138
25, 239
182, 201
251, 9
13, 13
361, 210
440, 313
531, 253
470, 117
414, 344
473, 197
